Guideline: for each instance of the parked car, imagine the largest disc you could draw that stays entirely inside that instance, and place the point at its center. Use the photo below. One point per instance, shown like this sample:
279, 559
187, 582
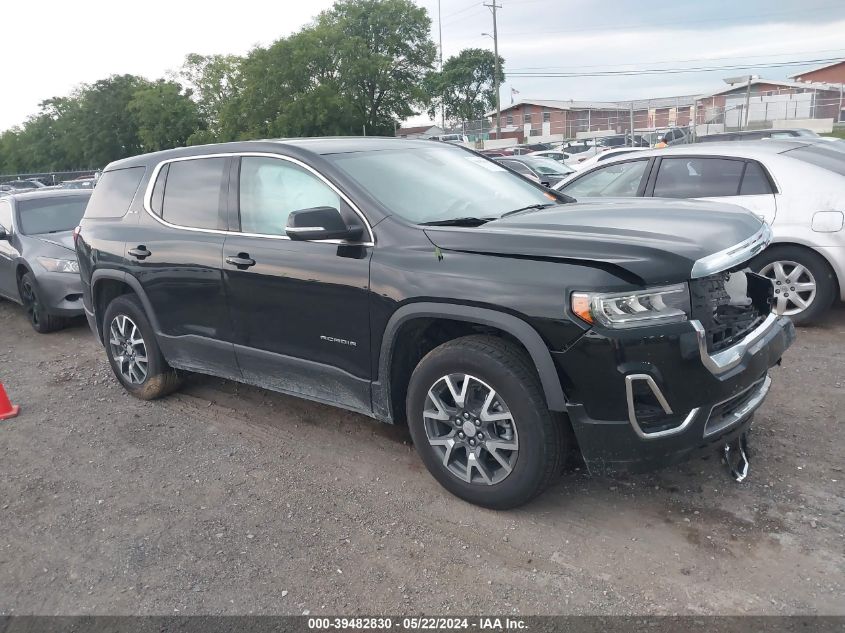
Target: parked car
38, 266
420, 282
606, 155
673, 136
545, 171
798, 187
451, 138
756, 135
21, 185
79, 183
579, 151
553, 154
622, 140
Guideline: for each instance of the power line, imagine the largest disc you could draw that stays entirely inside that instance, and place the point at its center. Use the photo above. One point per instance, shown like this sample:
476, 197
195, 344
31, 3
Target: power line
681, 61
672, 71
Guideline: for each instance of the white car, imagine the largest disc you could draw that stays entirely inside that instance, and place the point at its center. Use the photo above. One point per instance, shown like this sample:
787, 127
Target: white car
605, 155
797, 186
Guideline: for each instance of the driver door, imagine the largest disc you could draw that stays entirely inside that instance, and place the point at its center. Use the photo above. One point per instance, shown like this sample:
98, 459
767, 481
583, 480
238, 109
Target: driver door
300, 310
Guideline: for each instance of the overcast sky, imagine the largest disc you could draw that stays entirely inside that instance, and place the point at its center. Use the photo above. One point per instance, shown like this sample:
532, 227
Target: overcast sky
47, 52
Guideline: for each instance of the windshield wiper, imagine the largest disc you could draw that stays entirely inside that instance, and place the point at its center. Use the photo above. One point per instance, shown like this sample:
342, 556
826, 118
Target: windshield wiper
530, 207
458, 222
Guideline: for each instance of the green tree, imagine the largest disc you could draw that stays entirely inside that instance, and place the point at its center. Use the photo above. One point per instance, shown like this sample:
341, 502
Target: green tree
465, 86
384, 53
166, 117
104, 122
215, 82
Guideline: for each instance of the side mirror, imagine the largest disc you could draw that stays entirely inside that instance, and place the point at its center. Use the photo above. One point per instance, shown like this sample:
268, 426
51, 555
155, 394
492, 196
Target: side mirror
321, 223
3, 234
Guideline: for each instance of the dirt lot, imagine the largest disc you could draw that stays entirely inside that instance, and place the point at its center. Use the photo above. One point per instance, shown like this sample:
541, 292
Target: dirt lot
226, 499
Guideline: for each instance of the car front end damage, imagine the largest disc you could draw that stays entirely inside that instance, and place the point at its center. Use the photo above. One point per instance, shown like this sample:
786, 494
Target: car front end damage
645, 396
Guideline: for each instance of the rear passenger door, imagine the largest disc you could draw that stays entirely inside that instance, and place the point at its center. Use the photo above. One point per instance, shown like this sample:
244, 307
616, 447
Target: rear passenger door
734, 180
176, 252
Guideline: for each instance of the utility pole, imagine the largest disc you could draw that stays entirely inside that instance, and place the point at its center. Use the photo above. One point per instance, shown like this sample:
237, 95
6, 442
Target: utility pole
747, 101
632, 124
440, 31
493, 6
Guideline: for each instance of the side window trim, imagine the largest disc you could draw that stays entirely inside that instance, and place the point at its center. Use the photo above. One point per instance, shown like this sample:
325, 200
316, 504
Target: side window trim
226, 208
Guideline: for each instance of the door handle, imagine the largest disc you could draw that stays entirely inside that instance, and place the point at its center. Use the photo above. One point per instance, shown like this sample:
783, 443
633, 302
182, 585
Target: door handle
140, 252
242, 261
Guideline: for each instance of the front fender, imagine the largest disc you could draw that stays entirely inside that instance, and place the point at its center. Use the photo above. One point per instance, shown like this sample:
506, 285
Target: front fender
516, 327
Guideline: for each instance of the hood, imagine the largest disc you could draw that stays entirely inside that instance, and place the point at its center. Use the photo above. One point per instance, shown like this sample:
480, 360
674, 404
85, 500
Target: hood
63, 239
647, 241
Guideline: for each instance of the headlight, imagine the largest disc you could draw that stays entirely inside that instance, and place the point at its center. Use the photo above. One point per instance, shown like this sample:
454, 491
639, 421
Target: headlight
666, 304
59, 265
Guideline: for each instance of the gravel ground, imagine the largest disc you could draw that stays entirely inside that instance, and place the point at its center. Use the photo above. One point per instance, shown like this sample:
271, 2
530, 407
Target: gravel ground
225, 499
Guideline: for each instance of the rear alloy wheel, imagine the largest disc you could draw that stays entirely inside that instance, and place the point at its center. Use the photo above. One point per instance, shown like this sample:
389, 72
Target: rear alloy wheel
804, 284
133, 351
41, 321
128, 349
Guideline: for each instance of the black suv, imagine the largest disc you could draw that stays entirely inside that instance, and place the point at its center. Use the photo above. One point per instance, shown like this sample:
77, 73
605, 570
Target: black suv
418, 281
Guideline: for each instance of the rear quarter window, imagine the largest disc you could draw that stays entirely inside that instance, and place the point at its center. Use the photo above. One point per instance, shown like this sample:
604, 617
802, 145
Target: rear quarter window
114, 193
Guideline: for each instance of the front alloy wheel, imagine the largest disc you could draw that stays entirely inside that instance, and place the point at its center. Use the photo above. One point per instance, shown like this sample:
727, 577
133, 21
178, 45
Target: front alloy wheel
128, 349
795, 286
471, 428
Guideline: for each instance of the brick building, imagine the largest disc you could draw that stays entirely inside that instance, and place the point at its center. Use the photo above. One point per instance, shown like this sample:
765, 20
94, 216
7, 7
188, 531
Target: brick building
829, 73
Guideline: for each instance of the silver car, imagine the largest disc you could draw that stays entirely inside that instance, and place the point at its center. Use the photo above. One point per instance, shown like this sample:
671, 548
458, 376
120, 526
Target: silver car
797, 186
38, 266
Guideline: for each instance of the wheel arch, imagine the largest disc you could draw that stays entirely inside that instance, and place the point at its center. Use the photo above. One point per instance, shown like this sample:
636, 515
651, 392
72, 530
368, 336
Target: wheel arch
452, 321
106, 285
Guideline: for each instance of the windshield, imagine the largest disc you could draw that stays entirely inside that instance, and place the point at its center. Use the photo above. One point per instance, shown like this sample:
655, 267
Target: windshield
439, 183
50, 215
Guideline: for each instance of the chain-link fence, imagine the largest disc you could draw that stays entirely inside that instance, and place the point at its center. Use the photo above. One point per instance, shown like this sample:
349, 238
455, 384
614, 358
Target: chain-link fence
525, 122
49, 178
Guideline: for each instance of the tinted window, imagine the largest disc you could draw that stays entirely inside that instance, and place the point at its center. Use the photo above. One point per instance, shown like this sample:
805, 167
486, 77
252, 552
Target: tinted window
698, 177
618, 180
754, 181
438, 183
114, 193
6, 216
271, 188
50, 215
192, 192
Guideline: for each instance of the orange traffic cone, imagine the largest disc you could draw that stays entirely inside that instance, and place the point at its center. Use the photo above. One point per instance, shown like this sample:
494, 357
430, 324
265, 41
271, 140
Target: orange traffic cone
7, 410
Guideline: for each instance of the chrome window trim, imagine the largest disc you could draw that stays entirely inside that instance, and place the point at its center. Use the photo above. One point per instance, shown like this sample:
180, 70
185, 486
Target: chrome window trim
148, 194
729, 358
632, 416
733, 255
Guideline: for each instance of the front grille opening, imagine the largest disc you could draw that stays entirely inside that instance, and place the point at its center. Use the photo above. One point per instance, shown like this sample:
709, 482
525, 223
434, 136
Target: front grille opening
729, 305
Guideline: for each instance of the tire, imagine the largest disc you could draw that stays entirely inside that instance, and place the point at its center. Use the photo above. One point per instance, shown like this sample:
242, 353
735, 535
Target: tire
128, 338
41, 321
779, 262
520, 418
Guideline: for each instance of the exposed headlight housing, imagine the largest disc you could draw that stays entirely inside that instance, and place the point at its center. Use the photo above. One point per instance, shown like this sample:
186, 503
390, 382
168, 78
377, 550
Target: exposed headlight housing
653, 306
59, 265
